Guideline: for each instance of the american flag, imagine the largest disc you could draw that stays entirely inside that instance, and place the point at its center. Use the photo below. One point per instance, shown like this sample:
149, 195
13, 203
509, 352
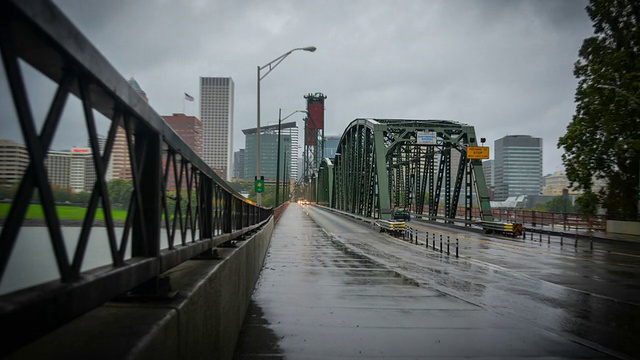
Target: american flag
188, 97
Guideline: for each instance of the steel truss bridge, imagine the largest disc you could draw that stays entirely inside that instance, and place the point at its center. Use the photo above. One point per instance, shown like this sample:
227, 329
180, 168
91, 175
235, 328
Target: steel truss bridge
382, 164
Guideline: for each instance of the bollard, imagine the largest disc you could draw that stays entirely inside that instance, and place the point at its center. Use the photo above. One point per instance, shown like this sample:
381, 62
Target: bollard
575, 245
561, 239
549, 237
440, 242
532, 236
434, 242
448, 245
456, 247
540, 235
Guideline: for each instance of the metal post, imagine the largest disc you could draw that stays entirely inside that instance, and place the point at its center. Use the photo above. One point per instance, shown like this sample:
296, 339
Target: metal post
278, 160
285, 189
440, 242
258, 195
448, 245
549, 237
456, 247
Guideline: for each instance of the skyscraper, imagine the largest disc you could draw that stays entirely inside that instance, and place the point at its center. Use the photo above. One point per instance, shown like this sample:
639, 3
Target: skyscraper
268, 150
518, 166
216, 113
238, 164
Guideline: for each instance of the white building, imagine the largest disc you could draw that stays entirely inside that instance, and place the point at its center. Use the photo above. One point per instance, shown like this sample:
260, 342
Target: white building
216, 114
14, 160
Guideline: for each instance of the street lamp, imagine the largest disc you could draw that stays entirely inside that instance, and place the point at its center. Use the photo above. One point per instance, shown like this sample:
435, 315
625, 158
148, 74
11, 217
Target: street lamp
280, 120
271, 65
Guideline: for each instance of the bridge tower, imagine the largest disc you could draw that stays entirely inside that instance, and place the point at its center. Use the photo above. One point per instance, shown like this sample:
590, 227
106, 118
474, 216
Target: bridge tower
313, 129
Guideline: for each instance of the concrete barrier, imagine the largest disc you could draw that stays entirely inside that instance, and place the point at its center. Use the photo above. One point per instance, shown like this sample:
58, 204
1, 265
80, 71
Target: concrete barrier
623, 227
202, 322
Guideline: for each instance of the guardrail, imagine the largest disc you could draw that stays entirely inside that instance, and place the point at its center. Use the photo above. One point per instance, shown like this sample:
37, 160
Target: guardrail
534, 218
208, 214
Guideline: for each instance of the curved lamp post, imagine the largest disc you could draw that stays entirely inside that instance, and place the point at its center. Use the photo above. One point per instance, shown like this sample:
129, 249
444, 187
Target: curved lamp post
278, 152
270, 66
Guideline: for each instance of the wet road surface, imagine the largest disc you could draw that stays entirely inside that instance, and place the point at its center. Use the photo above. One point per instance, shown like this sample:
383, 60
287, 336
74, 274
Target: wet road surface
351, 292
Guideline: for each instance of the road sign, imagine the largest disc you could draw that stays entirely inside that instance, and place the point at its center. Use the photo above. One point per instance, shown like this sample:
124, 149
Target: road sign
259, 186
427, 137
477, 152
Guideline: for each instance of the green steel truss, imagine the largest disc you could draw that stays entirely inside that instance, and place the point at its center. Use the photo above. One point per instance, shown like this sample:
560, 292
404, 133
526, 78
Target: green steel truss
380, 165
324, 195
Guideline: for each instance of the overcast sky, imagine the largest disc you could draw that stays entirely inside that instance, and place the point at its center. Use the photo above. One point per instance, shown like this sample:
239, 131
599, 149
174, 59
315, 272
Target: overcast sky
505, 67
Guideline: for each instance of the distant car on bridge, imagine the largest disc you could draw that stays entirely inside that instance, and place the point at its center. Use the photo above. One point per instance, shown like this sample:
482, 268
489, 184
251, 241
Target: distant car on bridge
401, 214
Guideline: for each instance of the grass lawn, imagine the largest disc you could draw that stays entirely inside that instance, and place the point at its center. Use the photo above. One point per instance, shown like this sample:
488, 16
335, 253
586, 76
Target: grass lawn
64, 212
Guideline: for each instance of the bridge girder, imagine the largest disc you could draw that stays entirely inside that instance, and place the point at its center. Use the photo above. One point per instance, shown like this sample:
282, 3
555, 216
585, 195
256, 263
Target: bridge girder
380, 165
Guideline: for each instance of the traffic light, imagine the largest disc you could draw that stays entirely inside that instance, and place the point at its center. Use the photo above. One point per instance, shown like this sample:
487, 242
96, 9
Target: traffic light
259, 185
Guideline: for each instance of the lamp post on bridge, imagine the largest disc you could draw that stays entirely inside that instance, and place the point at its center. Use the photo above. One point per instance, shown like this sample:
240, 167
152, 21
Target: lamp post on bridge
280, 120
271, 65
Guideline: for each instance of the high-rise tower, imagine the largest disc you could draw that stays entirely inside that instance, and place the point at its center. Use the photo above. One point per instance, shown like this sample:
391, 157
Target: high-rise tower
216, 113
518, 166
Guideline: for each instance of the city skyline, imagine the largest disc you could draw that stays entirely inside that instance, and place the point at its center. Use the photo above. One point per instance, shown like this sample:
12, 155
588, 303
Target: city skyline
503, 67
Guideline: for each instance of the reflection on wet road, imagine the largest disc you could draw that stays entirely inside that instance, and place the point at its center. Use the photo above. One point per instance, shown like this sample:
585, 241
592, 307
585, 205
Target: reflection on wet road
587, 296
320, 295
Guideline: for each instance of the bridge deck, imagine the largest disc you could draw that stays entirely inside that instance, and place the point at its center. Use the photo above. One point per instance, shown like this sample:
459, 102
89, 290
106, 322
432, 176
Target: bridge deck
316, 299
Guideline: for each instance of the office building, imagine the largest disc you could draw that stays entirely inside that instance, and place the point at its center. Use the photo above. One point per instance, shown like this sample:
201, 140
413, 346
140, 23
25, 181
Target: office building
238, 164
518, 166
268, 148
216, 113
268, 151
57, 164
14, 160
190, 130
121, 164
489, 171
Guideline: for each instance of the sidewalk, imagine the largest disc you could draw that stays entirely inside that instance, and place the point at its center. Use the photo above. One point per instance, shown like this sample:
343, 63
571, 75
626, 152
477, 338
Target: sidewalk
315, 299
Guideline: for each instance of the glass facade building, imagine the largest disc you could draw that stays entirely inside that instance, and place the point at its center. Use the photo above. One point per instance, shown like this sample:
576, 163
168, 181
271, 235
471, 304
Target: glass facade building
518, 166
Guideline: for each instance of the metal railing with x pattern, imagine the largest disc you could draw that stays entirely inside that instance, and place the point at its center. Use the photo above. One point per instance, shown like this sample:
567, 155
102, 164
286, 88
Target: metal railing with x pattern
202, 213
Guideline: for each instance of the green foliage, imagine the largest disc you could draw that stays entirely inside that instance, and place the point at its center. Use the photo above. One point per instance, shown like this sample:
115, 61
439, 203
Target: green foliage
587, 203
120, 192
64, 212
558, 204
603, 139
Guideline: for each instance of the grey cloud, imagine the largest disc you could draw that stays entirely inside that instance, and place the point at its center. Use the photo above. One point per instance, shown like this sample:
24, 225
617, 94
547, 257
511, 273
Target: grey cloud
503, 66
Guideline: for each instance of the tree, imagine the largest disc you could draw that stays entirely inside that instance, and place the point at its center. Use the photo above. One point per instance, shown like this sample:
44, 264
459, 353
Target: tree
603, 139
558, 204
587, 203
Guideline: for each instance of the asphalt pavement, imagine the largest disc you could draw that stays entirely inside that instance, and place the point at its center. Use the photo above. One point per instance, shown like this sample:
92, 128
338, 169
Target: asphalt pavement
319, 297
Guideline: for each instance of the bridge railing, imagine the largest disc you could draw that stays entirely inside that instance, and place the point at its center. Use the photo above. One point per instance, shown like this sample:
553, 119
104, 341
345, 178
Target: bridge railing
534, 219
163, 227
